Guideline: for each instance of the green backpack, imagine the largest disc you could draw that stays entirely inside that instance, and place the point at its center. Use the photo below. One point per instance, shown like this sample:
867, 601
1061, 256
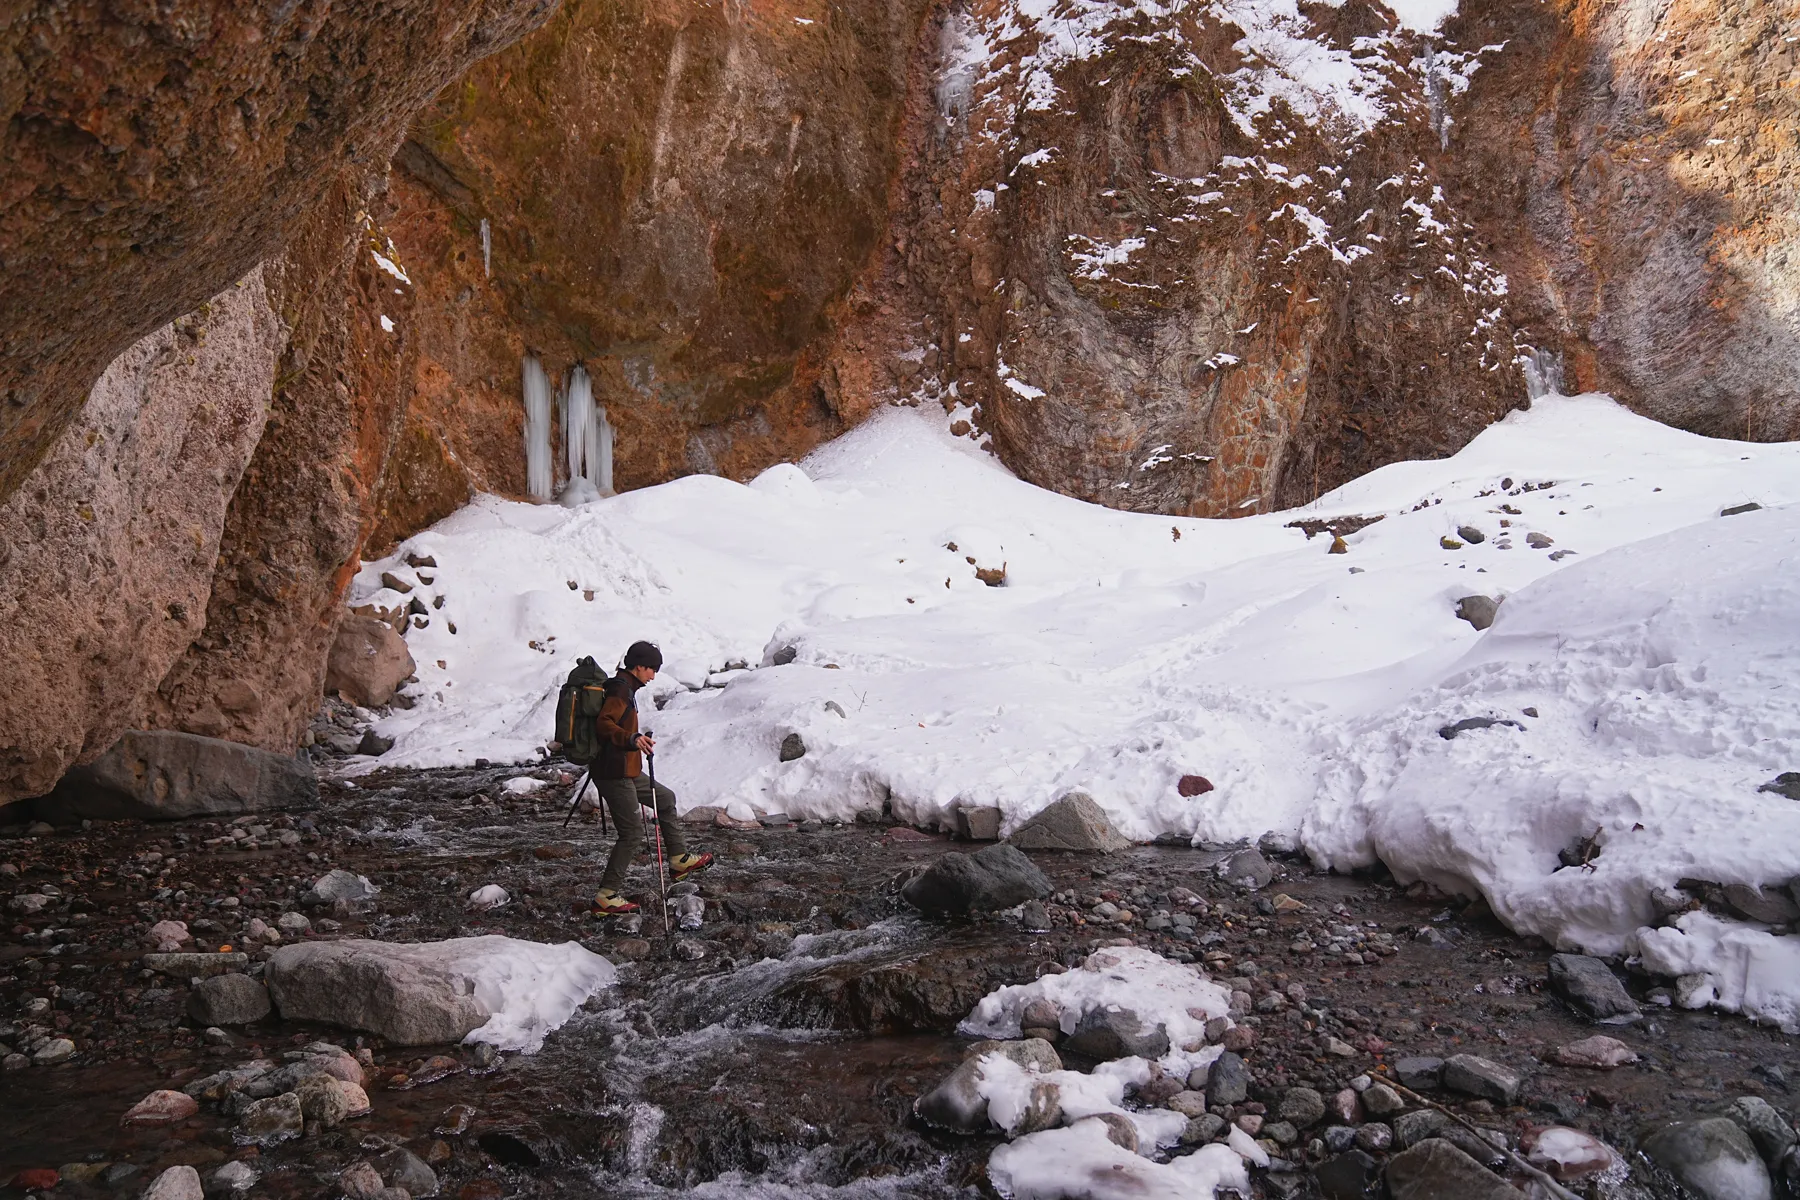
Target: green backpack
577, 707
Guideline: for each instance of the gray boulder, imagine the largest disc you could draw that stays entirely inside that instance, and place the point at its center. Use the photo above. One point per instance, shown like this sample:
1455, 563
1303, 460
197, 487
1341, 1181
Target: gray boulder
228, 1000
1227, 1080
1436, 1170
1768, 905
1773, 1136
1108, 1033
1247, 869
1589, 985
978, 824
998, 876
1478, 610
1711, 1157
176, 1183
1074, 822
165, 776
1420, 1071
412, 995
956, 1105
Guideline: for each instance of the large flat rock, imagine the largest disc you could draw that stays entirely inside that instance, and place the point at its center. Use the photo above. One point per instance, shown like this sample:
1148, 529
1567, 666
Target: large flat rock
426, 993
164, 775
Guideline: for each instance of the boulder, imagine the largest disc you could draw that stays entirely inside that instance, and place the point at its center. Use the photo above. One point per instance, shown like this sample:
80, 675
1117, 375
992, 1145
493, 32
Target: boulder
368, 662
1478, 610
1227, 1080
412, 995
957, 1105
1711, 1157
167, 776
1436, 1170
1247, 869
1303, 1106
793, 746
416, 994
266, 1122
1768, 1129
228, 1000
1768, 905
1590, 986
1108, 1033
402, 1168
1074, 822
995, 877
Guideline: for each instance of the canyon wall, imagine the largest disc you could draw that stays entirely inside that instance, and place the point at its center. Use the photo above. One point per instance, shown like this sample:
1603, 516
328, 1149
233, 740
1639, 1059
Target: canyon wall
1203, 258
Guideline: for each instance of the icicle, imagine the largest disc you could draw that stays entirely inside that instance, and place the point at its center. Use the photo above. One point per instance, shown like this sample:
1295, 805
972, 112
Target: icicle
578, 418
539, 471
600, 457
487, 249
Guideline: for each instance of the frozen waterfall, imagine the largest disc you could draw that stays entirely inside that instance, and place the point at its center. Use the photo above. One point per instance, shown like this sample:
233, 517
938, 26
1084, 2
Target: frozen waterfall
588, 440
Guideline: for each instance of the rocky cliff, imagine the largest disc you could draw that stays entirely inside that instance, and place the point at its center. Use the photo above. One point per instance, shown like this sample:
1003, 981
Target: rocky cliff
1174, 256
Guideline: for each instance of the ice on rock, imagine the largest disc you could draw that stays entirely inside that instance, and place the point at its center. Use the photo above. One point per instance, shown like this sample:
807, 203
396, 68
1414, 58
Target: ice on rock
1080, 1161
1174, 996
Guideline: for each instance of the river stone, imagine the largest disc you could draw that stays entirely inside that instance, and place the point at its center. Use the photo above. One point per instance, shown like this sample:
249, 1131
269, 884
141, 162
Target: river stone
412, 995
1104, 1034
1303, 1106
1380, 1100
236, 1176
955, 1104
161, 1108
265, 1122
337, 887
1711, 1157
1599, 1052
1247, 869
176, 1183
1414, 1127
1419, 1071
323, 1101
1473, 1075
228, 1000
1345, 1177
1075, 822
978, 824
995, 877
166, 776
368, 662
1227, 1080
1589, 985
1767, 1128
404, 1169
1436, 1170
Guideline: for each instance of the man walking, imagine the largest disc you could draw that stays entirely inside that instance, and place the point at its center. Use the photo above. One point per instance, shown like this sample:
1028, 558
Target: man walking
618, 772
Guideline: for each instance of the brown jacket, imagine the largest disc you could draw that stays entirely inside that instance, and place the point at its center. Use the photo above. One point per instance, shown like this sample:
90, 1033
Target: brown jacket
618, 725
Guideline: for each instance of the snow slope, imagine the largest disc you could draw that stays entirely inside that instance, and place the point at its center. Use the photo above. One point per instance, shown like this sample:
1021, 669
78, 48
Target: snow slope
1126, 650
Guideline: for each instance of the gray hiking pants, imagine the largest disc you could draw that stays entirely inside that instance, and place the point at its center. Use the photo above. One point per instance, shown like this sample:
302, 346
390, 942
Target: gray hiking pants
623, 796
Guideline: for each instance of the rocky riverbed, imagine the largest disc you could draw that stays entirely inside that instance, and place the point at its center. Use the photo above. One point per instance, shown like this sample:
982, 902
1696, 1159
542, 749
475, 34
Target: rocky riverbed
779, 1048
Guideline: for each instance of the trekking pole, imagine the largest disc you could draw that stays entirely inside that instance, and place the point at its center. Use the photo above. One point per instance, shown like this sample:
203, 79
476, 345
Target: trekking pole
662, 879
580, 789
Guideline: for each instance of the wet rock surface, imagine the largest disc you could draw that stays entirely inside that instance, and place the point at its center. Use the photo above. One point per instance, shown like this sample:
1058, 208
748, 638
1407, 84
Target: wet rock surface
820, 1009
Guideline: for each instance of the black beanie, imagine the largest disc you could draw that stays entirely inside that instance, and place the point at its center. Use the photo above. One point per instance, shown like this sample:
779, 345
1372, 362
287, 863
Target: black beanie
643, 654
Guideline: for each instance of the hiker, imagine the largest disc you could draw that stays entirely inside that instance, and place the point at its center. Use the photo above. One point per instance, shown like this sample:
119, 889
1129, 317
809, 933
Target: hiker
618, 772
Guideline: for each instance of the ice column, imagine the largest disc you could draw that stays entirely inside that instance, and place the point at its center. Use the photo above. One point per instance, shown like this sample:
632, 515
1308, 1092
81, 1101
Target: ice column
588, 439
539, 469
1543, 373
487, 249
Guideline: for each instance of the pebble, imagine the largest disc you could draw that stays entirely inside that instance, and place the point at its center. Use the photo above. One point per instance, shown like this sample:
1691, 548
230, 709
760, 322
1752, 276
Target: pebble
1380, 1100
236, 1176
1598, 1052
176, 1183
54, 1051
1374, 1137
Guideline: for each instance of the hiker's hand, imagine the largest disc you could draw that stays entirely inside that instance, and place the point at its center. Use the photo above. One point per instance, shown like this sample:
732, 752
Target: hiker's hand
646, 744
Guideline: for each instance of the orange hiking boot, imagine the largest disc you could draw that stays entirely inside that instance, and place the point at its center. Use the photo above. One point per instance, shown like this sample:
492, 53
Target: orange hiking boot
609, 903
683, 865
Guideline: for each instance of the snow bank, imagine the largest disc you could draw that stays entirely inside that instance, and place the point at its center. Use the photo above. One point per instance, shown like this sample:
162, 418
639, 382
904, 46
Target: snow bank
530, 987
1078, 1162
1177, 997
1124, 650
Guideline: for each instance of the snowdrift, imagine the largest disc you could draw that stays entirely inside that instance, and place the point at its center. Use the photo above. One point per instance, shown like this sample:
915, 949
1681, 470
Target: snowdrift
1640, 670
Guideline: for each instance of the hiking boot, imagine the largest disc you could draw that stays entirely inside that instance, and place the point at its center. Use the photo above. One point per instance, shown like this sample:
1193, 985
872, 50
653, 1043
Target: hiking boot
609, 903
684, 865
